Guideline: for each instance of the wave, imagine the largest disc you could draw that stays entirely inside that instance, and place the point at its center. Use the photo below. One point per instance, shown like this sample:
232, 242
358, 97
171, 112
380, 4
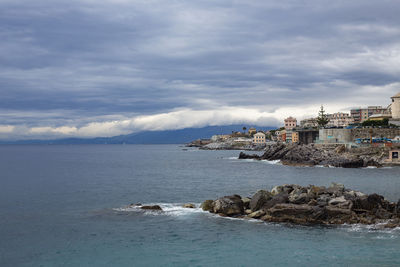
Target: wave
168, 209
272, 162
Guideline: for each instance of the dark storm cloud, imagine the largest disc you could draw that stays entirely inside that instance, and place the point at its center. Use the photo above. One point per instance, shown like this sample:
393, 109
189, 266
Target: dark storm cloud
96, 59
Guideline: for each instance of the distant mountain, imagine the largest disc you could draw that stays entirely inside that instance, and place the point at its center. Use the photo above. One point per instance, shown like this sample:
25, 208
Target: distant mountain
148, 137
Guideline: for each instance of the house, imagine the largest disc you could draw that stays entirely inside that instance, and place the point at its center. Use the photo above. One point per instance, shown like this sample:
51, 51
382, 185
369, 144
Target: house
290, 123
259, 138
295, 137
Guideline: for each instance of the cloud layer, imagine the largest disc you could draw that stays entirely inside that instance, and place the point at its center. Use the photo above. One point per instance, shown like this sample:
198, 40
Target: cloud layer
102, 68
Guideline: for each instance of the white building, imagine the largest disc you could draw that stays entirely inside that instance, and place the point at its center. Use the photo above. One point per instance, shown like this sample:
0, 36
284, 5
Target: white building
340, 119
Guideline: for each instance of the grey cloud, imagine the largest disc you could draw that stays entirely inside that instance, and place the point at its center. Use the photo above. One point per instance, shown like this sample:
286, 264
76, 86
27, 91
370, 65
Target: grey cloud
95, 59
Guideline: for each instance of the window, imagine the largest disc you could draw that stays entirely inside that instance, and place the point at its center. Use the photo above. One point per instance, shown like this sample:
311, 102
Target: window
395, 155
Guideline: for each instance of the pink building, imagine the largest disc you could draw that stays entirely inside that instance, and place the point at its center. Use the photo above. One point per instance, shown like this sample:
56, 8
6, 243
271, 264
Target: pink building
290, 123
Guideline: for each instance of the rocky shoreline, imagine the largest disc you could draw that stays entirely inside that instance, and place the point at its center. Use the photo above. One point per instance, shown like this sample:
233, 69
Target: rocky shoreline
311, 155
311, 205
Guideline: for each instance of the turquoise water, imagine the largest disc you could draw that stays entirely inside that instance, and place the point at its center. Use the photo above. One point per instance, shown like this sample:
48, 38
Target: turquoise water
64, 206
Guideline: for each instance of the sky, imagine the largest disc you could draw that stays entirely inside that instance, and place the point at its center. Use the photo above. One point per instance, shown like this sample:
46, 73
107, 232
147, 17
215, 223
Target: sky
86, 68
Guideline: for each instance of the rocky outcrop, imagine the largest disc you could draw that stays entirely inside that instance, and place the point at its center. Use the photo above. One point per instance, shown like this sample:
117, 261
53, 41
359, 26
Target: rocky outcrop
295, 154
311, 205
229, 205
189, 206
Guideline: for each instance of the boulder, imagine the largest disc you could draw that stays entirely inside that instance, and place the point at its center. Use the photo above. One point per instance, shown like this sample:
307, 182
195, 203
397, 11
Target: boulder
299, 196
189, 206
281, 198
248, 211
288, 209
229, 205
245, 156
259, 199
277, 190
335, 189
208, 205
257, 214
370, 202
154, 207
246, 202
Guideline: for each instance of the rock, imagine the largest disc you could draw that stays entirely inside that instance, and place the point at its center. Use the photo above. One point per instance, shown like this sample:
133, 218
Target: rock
246, 202
398, 207
277, 190
281, 198
311, 205
189, 206
337, 200
370, 202
207, 205
259, 199
257, 214
288, 209
245, 156
299, 196
314, 191
229, 205
296, 154
154, 207
340, 149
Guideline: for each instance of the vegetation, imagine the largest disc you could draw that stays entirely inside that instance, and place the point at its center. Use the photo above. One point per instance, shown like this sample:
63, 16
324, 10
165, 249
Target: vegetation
382, 123
322, 119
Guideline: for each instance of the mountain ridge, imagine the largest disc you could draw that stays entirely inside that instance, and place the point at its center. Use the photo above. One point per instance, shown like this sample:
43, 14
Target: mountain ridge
180, 136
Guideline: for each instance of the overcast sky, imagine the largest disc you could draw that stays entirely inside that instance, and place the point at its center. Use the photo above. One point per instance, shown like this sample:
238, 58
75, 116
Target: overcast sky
102, 68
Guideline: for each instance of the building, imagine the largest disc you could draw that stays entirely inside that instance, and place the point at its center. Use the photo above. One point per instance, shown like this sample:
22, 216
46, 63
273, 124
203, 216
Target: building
295, 137
339, 119
259, 138
220, 137
335, 136
395, 110
309, 123
307, 136
281, 136
290, 123
289, 137
362, 114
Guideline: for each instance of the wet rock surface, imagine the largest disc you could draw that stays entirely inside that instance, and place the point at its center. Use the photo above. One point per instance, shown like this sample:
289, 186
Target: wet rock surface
310, 205
295, 154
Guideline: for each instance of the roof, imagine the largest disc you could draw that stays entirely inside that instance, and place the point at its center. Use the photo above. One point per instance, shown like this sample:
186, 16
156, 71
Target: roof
396, 96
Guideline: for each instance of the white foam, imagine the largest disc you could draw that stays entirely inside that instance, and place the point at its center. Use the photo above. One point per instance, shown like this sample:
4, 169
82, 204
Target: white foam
272, 162
168, 209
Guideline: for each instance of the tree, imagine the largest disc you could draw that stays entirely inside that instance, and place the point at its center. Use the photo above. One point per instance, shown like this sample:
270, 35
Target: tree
322, 119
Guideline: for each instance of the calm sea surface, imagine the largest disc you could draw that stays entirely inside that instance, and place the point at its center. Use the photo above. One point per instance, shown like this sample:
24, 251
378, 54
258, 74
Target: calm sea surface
64, 206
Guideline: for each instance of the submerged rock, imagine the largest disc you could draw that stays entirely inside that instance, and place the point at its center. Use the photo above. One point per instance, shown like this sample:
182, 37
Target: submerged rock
189, 206
154, 207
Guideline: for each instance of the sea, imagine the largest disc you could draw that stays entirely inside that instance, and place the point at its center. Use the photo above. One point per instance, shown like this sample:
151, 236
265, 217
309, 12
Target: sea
67, 205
